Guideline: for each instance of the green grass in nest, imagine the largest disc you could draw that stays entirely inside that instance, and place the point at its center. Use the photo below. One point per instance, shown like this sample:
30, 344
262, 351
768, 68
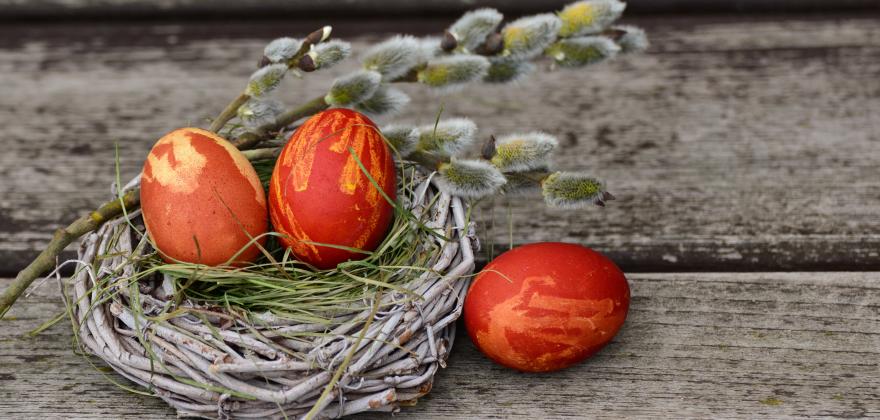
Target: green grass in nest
292, 290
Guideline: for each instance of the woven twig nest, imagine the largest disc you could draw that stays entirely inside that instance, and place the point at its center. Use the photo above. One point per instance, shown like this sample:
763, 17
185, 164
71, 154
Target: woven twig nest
207, 362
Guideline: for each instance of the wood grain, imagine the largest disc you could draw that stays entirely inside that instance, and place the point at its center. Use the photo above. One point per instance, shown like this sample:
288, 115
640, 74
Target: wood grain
694, 345
732, 145
147, 9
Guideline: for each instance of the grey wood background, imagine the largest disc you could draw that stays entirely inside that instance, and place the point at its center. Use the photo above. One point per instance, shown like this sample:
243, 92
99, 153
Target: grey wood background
694, 345
150, 9
735, 144
731, 145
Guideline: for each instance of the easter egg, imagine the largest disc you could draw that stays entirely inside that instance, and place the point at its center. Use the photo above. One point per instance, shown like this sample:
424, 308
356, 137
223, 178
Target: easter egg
320, 194
545, 306
202, 201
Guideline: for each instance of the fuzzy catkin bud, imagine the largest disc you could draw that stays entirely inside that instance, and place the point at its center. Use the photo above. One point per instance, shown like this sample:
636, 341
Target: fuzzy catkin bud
259, 112
429, 47
453, 71
265, 79
522, 182
633, 40
523, 152
589, 17
473, 27
507, 69
327, 54
580, 51
353, 88
448, 137
403, 138
469, 178
282, 49
572, 190
386, 100
527, 37
394, 57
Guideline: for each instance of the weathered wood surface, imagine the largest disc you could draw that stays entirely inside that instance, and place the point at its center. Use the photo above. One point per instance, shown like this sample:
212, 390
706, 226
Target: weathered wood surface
694, 345
732, 145
141, 9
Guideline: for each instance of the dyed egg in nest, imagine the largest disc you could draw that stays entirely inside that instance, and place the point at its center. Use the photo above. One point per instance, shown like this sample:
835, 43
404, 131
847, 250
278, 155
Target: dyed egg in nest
320, 193
546, 306
202, 201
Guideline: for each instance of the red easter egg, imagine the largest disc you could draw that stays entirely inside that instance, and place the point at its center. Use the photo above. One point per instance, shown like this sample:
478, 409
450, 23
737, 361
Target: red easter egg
201, 199
319, 194
546, 306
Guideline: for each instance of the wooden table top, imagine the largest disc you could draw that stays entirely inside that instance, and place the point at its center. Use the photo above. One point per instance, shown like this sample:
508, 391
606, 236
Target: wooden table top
745, 155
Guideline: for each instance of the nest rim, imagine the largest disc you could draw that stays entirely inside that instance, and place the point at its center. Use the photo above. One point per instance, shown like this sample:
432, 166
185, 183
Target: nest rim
374, 361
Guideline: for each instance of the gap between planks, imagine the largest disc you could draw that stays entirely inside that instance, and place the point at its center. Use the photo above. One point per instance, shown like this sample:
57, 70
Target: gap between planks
694, 345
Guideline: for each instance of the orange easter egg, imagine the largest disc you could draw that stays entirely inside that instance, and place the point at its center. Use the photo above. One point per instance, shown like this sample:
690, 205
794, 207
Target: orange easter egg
319, 194
202, 201
546, 306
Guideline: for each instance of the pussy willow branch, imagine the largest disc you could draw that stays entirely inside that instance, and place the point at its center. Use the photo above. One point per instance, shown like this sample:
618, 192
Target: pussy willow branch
230, 111
314, 106
62, 238
537, 176
259, 154
252, 138
88, 223
45, 261
429, 161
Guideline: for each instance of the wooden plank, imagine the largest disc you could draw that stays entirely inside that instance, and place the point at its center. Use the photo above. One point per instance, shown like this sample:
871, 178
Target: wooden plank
732, 145
146, 9
695, 345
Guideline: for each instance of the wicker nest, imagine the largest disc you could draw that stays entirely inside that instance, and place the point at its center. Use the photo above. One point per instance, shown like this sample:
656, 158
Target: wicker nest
219, 366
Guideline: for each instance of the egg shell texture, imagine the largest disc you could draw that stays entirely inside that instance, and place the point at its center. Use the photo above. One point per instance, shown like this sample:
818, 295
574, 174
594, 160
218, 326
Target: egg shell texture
545, 306
319, 194
198, 188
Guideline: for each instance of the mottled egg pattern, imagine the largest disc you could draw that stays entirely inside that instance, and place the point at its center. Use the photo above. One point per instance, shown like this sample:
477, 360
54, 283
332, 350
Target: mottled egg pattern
319, 194
546, 306
201, 199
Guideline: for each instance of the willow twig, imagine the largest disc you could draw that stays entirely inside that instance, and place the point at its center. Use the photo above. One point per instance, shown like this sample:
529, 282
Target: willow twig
316, 408
229, 112
258, 154
252, 138
392, 357
46, 260
62, 238
314, 106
